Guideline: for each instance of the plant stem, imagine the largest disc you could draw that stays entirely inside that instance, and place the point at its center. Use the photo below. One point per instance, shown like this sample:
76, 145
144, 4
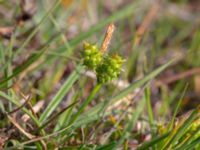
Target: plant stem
86, 102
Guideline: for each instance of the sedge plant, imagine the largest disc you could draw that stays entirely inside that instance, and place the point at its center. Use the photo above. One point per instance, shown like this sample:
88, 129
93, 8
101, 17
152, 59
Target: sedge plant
105, 67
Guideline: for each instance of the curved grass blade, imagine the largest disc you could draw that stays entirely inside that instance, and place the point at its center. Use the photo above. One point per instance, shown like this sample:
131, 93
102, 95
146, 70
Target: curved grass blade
61, 93
30, 60
15, 102
152, 142
191, 145
139, 83
54, 6
101, 106
97, 111
148, 106
180, 131
86, 102
56, 116
73, 126
186, 142
66, 116
177, 108
23, 66
131, 123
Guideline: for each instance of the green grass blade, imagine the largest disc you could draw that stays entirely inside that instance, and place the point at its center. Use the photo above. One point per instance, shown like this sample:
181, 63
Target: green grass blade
61, 93
139, 83
191, 145
96, 112
81, 121
99, 107
148, 105
181, 130
54, 6
31, 59
15, 102
186, 142
177, 108
66, 116
86, 102
152, 142
107, 147
131, 123
56, 116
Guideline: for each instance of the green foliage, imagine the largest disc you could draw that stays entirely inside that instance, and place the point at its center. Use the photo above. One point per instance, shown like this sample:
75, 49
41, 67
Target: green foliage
39, 61
91, 56
105, 66
109, 68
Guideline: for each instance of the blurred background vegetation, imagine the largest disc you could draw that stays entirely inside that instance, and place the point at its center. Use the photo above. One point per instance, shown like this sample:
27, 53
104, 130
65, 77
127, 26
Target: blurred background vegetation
40, 51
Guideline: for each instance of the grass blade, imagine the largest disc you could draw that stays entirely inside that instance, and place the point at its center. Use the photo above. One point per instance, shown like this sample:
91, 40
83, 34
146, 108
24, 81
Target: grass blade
139, 83
180, 131
30, 60
54, 6
15, 102
61, 93
23, 66
148, 105
86, 102
177, 108
152, 142
131, 123
192, 144
66, 116
101, 106
106, 147
189, 140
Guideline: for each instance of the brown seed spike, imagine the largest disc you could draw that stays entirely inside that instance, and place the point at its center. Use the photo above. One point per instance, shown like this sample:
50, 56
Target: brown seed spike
107, 38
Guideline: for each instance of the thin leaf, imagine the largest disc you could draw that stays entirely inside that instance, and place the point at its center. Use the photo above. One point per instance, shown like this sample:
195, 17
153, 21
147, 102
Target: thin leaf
15, 102
107, 147
99, 107
96, 112
54, 6
148, 105
177, 108
66, 116
181, 130
86, 102
139, 83
61, 93
147, 145
30, 60
184, 144
192, 144
131, 123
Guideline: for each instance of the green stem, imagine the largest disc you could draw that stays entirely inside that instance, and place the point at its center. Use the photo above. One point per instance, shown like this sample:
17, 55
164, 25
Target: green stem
148, 106
86, 102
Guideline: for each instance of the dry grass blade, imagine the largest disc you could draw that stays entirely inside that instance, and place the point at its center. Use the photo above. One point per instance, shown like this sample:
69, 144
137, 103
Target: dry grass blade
14, 122
36, 108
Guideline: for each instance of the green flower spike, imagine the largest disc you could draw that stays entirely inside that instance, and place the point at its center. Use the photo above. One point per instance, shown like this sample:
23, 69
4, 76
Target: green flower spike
91, 55
109, 68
